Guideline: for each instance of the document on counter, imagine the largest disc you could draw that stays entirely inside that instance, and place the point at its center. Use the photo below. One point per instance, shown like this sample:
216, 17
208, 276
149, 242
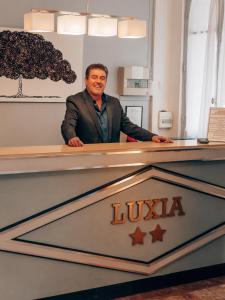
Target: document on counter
216, 126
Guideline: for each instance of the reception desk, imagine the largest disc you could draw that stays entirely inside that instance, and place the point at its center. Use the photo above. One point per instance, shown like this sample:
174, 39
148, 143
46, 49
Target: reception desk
75, 219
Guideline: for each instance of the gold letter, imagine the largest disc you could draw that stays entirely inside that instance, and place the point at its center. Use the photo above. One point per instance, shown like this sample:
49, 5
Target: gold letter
130, 205
164, 207
176, 206
151, 206
116, 220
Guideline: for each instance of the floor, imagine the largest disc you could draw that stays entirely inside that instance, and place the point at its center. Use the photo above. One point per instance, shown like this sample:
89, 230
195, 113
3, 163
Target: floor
211, 289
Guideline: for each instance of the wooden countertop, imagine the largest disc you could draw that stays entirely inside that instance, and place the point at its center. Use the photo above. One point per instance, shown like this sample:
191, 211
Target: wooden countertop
61, 157
61, 150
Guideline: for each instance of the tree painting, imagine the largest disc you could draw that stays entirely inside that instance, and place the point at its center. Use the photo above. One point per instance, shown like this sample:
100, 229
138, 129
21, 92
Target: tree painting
27, 55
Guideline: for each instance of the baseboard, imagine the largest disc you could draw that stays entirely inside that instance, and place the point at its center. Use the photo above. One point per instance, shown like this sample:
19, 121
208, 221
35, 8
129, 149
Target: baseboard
144, 285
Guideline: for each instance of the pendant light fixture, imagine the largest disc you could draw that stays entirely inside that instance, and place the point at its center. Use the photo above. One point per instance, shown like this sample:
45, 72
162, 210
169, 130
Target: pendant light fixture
102, 26
132, 28
71, 24
79, 23
36, 21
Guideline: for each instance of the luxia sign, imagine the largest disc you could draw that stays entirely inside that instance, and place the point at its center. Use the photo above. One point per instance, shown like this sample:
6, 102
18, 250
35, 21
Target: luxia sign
135, 211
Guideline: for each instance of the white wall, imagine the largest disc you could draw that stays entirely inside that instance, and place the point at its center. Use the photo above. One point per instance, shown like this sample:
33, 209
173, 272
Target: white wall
167, 62
113, 52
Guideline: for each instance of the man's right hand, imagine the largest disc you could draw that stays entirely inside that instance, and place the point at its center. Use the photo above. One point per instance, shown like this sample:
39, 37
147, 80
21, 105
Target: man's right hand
75, 142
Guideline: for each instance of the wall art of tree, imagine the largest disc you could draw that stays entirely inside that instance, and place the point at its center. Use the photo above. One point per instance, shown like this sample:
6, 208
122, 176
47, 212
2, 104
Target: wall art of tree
28, 55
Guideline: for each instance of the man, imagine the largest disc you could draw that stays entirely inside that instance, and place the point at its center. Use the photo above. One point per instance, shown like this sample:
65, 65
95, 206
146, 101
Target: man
94, 117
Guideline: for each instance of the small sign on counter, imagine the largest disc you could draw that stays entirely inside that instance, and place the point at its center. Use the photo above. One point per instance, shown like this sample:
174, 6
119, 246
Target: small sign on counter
216, 127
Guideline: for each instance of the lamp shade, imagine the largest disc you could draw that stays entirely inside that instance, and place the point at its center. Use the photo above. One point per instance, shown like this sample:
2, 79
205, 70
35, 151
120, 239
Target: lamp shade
102, 26
39, 22
71, 24
131, 28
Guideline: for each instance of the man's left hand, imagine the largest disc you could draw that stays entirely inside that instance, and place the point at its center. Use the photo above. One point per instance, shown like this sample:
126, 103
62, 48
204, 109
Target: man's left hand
161, 139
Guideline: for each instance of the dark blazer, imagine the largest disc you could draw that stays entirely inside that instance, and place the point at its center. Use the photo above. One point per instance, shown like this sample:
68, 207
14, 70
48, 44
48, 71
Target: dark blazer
81, 120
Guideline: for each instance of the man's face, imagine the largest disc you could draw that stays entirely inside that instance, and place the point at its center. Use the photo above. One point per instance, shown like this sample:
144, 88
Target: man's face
96, 82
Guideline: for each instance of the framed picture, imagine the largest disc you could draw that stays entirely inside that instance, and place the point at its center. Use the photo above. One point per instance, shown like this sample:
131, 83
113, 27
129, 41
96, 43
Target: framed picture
44, 89
135, 114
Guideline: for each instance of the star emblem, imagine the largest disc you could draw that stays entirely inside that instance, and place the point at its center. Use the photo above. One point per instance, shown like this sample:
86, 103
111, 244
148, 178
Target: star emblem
137, 236
157, 234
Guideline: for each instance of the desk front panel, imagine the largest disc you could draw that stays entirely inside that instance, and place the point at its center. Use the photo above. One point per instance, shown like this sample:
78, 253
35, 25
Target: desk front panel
74, 230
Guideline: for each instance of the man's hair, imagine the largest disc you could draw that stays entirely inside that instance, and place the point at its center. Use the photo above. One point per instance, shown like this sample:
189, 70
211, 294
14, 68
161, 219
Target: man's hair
96, 66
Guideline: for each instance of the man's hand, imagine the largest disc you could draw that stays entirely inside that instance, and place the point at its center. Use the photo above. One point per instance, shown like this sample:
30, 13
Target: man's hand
75, 142
161, 139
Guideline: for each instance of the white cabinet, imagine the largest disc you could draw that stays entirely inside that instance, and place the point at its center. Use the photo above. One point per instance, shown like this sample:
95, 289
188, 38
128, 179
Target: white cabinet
133, 80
